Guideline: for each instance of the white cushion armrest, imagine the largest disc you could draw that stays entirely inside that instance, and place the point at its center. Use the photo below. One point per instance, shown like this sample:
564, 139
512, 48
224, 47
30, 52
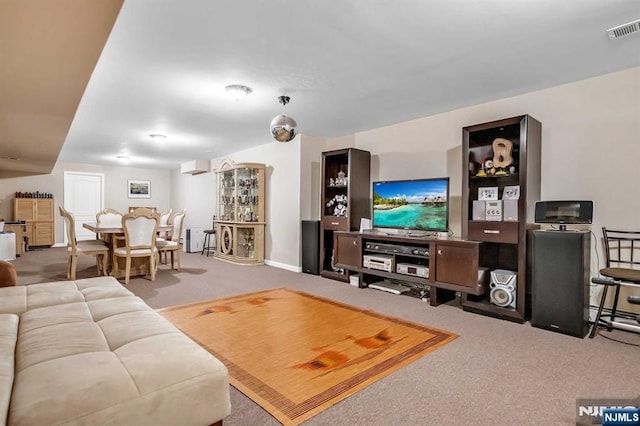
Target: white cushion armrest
8, 338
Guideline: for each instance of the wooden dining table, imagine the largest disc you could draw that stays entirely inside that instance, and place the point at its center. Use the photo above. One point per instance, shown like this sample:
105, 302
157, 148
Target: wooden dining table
139, 265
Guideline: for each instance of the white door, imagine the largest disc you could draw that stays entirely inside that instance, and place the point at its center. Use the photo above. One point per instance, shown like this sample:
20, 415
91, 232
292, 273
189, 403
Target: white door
84, 197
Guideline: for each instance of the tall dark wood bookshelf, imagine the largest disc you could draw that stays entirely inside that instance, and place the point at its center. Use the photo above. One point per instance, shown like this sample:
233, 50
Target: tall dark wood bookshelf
504, 242
355, 166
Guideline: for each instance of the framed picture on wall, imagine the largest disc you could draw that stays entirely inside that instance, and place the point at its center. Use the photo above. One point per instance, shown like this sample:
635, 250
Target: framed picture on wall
139, 188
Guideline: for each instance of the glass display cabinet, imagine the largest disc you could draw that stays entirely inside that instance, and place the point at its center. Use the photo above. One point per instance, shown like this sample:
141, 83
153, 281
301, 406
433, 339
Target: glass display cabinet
240, 212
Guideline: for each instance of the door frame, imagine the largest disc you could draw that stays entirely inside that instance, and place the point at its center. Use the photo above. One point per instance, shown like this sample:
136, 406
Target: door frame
66, 193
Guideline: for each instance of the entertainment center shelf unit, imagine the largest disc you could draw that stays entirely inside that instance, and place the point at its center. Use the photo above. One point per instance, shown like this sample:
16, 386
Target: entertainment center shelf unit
344, 201
451, 265
500, 185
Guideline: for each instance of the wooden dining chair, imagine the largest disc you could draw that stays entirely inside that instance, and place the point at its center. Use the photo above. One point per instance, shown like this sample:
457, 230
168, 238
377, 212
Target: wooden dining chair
90, 248
140, 228
173, 245
108, 218
165, 220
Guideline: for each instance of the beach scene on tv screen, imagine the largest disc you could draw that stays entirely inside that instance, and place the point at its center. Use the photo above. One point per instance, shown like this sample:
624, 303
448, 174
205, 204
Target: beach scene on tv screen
419, 204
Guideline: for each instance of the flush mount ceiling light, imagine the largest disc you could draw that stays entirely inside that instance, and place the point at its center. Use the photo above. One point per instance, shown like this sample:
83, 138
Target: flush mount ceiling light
283, 128
157, 137
237, 92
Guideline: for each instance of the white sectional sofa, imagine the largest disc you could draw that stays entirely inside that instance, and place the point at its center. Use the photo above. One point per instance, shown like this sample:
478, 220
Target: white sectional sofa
89, 352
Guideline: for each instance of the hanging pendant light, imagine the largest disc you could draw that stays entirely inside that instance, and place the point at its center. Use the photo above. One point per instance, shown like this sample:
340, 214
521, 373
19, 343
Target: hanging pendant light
283, 128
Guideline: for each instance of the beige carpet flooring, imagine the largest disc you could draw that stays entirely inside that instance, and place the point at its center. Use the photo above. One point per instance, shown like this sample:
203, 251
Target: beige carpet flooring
495, 373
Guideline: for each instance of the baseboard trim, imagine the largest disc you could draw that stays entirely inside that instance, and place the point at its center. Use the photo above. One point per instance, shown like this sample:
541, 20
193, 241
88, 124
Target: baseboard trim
59, 245
283, 266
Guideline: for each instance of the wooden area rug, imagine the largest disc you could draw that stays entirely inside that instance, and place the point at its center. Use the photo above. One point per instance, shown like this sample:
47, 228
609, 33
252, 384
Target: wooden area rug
296, 354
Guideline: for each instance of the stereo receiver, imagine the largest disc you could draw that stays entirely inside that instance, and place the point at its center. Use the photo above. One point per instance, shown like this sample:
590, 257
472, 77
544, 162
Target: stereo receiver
379, 261
394, 248
415, 270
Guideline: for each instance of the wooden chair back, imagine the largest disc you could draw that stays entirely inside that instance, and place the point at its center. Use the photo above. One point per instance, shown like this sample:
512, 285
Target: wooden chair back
177, 223
109, 218
70, 228
140, 229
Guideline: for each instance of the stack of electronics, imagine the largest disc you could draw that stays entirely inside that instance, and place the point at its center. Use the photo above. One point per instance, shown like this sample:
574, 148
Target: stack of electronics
385, 262
381, 257
488, 207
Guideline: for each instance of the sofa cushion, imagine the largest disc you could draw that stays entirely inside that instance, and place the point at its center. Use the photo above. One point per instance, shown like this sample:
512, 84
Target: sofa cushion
19, 299
8, 336
14, 300
110, 359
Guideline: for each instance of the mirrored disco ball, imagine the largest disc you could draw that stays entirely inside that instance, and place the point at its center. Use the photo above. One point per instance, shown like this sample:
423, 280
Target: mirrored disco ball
283, 128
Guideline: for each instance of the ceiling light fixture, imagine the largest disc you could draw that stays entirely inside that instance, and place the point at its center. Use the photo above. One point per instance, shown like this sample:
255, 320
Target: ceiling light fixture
157, 137
283, 128
237, 92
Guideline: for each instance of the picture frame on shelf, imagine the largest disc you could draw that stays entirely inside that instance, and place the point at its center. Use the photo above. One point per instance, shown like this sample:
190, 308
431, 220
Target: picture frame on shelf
511, 192
488, 193
139, 188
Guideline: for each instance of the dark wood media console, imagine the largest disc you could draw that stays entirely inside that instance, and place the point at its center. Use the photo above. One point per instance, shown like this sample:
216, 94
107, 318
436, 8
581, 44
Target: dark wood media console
453, 264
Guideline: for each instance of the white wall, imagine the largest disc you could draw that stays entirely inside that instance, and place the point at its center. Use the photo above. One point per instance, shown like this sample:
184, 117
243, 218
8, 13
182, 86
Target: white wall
310, 164
590, 150
590, 144
197, 194
590, 147
282, 198
115, 189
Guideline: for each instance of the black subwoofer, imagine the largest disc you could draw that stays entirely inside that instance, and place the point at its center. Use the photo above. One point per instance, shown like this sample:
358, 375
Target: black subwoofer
560, 281
311, 247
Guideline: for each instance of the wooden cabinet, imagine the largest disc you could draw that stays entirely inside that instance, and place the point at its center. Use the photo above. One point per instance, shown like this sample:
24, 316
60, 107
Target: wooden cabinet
344, 201
240, 218
348, 251
38, 215
501, 183
445, 266
458, 265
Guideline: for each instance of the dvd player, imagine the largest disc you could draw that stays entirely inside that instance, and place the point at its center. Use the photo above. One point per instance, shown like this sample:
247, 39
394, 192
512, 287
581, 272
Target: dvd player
395, 248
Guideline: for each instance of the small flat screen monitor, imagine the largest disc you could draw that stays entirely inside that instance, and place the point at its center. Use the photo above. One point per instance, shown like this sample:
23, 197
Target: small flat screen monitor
419, 204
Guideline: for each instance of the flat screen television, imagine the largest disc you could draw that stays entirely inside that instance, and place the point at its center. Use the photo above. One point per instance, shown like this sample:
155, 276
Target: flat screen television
413, 205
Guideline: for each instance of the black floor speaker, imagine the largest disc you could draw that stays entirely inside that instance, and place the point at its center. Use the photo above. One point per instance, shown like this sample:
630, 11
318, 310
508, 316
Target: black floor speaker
311, 246
560, 281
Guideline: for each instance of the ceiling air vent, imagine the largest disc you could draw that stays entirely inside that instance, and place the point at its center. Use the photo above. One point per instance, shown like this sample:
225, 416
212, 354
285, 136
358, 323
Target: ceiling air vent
195, 167
624, 30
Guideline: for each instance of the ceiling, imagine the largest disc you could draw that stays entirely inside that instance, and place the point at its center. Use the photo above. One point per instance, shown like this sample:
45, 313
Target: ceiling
348, 66
47, 54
